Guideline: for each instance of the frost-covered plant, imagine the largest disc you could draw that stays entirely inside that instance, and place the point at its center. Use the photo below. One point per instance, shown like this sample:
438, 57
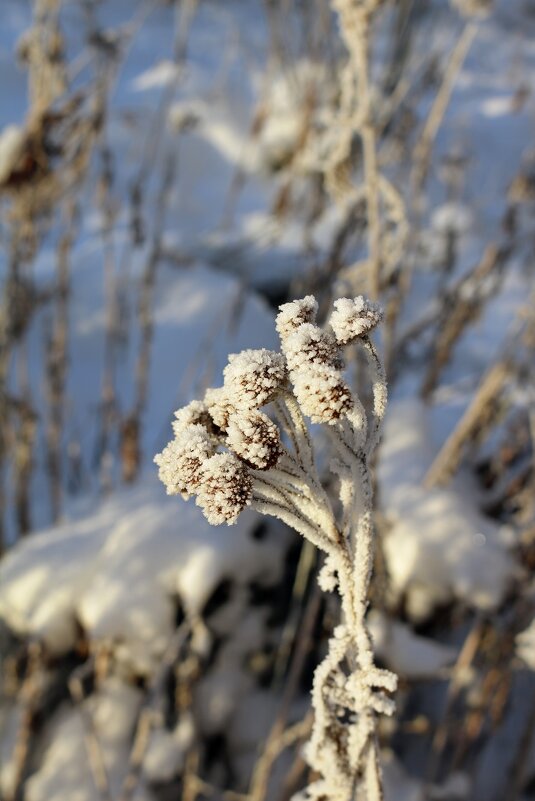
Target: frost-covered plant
231, 455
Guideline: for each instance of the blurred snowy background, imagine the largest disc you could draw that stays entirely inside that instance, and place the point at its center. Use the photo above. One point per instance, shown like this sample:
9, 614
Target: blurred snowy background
165, 182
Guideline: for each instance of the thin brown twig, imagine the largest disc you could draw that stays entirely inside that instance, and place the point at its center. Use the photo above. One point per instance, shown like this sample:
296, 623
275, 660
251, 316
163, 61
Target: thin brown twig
422, 151
448, 458
95, 754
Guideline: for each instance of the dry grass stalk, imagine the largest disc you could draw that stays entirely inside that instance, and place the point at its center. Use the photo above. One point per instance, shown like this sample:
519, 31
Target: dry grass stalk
28, 696
274, 747
94, 750
56, 362
150, 713
23, 464
464, 661
422, 151
461, 306
357, 116
260, 779
449, 456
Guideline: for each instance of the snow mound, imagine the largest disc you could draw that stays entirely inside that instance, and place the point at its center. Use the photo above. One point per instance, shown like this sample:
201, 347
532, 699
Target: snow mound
121, 571
65, 771
439, 547
407, 653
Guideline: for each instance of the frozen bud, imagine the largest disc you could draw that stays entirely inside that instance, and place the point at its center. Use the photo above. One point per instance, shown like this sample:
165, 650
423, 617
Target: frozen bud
311, 345
220, 406
195, 413
226, 489
255, 439
322, 393
253, 377
354, 318
181, 460
292, 315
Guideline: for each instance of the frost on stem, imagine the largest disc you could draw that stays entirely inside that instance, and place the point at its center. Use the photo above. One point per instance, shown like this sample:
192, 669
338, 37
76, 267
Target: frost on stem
231, 455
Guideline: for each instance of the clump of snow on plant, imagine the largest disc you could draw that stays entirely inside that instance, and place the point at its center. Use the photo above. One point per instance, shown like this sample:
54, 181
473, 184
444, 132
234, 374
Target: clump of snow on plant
12, 140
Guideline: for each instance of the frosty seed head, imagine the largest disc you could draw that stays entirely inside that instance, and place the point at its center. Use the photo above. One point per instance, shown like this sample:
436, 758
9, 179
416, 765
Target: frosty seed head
322, 393
254, 377
255, 439
181, 460
311, 345
292, 315
354, 318
220, 406
194, 413
226, 488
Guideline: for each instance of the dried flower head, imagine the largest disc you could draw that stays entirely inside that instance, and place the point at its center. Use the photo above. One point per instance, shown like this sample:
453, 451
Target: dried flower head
292, 315
311, 345
226, 488
220, 406
322, 393
354, 318
253, 377
255, 439
194, 413
181, 460
348, 690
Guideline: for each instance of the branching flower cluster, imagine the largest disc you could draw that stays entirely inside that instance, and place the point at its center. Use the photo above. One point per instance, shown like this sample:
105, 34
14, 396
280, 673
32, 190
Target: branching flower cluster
230, 454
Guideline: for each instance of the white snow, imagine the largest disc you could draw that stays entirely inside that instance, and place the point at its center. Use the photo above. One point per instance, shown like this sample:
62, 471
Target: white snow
66, 770
525, 645
159, 75
406, 653
119, 571
439, 548
166, 750
12, 140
